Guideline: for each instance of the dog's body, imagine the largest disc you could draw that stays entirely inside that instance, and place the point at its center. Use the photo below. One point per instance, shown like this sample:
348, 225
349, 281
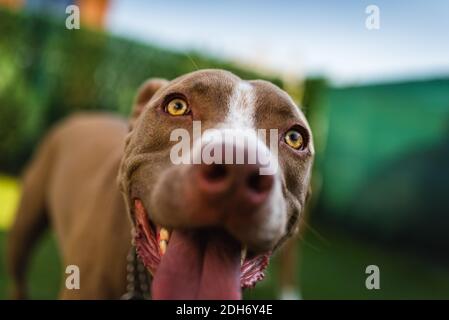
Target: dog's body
72, 183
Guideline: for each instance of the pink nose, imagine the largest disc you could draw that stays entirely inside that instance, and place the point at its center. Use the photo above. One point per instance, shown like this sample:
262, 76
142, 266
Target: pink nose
238, 184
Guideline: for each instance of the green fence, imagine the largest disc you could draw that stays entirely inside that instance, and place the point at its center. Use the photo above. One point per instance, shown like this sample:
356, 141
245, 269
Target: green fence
385, 167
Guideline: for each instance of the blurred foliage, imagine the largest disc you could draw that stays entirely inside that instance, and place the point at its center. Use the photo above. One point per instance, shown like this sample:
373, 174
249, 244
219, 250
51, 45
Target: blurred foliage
313, 92
9, 198
47, 72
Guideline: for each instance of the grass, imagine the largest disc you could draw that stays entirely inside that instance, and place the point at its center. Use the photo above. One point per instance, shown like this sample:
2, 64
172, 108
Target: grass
331, 269
337, 271
44, 274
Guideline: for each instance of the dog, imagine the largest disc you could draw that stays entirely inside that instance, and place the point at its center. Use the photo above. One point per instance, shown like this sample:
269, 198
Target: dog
203, 229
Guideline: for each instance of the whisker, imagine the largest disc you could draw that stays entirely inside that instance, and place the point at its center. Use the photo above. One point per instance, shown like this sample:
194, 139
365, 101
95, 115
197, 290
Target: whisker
192, 61
314, 232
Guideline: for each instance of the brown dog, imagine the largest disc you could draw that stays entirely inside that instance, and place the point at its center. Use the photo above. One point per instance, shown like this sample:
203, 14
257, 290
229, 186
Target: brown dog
205, 215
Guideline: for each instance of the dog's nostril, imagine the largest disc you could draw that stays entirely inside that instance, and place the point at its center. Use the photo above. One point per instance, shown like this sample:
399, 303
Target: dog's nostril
259, 183
215, 172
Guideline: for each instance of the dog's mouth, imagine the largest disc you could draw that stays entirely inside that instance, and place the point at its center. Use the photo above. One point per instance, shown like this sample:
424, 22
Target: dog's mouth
194, 264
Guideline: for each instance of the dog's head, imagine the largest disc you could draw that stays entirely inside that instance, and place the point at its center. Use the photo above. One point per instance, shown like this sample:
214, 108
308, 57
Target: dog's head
215, 174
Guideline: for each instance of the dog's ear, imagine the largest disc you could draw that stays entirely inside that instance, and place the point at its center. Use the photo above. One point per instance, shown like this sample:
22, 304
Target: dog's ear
144, 94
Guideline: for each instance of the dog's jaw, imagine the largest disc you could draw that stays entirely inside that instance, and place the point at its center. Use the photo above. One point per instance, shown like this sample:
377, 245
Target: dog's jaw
147, 241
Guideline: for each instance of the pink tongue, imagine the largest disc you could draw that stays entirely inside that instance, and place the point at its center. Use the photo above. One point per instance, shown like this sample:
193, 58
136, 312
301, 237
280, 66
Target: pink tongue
199, 266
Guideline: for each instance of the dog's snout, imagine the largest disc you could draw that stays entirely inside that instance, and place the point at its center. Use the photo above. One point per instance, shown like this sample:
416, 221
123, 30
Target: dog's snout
213, 178
258, 183
239, 182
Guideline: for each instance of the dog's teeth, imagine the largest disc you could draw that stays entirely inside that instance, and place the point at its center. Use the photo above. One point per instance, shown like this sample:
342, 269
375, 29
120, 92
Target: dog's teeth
243, 255
164, 234
163, 246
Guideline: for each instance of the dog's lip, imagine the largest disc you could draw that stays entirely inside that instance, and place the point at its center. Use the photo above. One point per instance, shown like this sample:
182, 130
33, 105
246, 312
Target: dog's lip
158, 229
252, 265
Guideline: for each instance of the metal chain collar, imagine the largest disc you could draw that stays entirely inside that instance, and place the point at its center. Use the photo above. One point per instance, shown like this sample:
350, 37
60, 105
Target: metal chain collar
138, 279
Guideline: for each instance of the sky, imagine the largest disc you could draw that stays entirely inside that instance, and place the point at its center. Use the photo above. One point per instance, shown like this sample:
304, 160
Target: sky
299, 38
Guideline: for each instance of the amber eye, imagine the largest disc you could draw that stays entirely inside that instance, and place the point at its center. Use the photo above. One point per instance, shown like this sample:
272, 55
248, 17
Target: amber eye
294, 139
177, 107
